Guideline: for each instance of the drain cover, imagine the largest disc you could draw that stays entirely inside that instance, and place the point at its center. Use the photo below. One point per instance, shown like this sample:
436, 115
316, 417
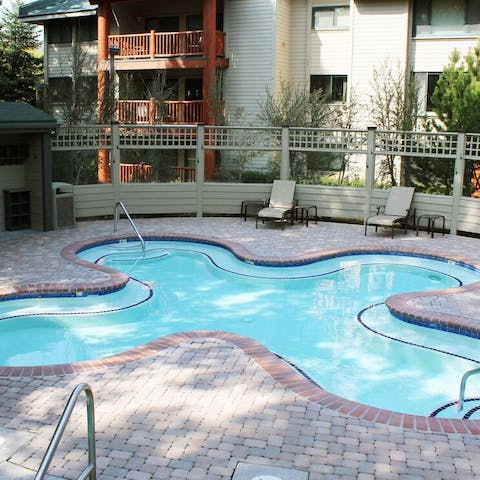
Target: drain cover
252, 471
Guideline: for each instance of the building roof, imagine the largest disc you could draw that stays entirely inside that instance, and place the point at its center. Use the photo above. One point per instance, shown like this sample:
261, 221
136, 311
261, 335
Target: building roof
41, 10
21, 116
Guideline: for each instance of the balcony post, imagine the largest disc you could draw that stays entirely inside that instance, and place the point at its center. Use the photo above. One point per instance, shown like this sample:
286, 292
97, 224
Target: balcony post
209, 75
151, 111
152, 43
210, 52
103, 29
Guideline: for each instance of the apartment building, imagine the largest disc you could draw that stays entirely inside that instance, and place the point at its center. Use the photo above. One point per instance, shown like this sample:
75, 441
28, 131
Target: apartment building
255, 44
229, 52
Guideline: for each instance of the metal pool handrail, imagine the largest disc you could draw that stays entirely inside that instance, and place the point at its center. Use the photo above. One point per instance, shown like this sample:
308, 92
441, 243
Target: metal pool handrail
461, 396
90, 471
115, 223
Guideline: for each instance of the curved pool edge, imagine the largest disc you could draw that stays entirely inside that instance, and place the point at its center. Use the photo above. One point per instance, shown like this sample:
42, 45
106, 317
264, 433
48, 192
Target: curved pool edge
399, 305
273, 365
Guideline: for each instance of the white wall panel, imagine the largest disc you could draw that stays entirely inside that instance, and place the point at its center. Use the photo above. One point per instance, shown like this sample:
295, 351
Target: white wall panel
250, 47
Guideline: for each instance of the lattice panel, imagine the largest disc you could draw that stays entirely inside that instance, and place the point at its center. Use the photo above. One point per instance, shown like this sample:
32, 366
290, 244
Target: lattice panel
161, 136
82, 138
472, 146
439, 145
354, 141
243, 138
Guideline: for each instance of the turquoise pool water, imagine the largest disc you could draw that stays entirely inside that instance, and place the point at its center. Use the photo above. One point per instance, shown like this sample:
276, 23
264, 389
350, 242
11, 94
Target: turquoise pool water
328, 318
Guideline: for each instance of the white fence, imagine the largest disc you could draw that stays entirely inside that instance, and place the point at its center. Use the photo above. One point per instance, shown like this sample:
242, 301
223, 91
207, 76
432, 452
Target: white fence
211, 198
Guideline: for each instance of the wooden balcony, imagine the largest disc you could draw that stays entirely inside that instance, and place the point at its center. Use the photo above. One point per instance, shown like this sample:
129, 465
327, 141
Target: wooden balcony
160, 45
153, 112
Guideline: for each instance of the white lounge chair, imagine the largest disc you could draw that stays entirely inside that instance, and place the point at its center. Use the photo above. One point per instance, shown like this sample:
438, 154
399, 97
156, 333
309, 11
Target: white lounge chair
396, 210
280, 204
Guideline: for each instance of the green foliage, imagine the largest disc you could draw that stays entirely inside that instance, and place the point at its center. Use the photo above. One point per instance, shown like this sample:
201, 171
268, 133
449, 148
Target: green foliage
20, 68
431, 175
456, 101
456, 98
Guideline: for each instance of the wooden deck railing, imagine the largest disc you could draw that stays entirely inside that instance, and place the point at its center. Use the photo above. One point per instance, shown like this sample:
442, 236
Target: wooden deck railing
135, 173
155, 44
151, 111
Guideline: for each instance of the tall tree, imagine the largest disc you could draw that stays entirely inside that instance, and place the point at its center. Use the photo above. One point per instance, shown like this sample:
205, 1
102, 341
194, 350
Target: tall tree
456, 97
20, 67
456, 101
393, 106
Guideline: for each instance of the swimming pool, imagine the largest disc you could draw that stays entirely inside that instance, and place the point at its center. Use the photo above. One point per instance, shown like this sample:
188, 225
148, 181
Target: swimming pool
328, 318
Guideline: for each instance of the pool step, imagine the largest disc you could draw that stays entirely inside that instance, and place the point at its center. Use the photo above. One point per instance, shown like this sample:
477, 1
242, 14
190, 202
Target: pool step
471, 410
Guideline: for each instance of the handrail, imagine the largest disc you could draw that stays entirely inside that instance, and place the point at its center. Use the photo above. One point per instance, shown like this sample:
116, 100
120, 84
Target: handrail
90, 470
115, 223
461, 396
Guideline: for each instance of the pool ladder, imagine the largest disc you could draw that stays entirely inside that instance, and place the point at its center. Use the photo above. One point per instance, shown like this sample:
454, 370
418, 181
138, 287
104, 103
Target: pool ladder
115, 223
90, 471
466, 376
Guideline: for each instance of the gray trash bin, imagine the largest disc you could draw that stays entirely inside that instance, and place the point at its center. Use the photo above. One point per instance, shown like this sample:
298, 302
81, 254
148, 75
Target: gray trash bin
63, 207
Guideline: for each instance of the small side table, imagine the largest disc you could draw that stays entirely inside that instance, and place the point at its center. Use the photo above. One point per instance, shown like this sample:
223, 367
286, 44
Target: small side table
302, 212
431, 219
250, 203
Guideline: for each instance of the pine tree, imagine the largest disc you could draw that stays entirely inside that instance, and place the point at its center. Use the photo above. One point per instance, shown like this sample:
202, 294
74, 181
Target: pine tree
456, 101
456, 98
20, 69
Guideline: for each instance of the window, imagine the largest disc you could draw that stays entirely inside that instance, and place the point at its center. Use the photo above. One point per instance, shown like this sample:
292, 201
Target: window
13, 154
324, 18
60, 89
194, 22
59, 31
163, 24
334, 86
87, 29
432, 79
446, 17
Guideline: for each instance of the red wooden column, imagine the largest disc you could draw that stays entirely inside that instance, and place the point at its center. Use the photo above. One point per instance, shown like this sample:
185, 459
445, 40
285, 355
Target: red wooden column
209, 75
103, 28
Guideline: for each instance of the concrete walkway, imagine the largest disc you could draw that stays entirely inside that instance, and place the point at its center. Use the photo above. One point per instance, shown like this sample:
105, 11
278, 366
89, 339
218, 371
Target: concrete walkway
198, 409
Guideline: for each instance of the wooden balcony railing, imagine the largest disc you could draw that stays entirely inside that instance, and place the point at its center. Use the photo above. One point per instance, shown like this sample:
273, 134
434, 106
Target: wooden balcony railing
135, 173
151, 111
155, 44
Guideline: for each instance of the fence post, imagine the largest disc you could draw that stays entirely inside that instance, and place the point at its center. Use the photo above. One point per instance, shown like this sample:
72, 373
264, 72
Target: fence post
370, 170
200, 171
284, 155
115, 161
458, 175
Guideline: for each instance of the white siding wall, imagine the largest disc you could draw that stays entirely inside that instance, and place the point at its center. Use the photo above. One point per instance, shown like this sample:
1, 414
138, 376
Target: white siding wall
380, 32
299, 42
282, 43
224, 199
250, 35
331, 52
59, 59
432, 54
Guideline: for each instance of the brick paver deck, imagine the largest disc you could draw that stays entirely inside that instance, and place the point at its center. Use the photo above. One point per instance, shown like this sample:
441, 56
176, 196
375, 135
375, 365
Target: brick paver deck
197, 408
